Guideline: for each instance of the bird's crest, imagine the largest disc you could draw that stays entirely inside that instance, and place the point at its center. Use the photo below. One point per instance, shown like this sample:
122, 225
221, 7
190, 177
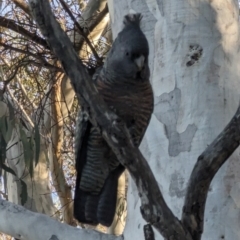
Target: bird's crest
132, 18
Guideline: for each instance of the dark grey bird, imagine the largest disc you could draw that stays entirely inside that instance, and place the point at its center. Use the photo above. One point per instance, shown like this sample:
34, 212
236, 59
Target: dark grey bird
123, 82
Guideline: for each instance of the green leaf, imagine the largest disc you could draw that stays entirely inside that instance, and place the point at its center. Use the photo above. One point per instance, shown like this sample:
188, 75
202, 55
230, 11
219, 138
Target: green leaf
5, 179
3, 127
37, 143
10, 124
7, 169
3, 146
24, 193
6, 127
27, 150
31, 153
11, 111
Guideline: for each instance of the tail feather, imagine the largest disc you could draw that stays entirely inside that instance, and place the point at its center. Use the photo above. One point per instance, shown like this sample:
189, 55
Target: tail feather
94, 209
91, 206
80, 207
108, 199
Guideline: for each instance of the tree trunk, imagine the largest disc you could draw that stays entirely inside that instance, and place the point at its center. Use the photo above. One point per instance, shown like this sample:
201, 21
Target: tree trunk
195, 76
38, 191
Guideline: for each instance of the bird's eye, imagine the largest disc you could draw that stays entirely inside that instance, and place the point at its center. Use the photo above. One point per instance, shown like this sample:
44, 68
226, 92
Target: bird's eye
127, 53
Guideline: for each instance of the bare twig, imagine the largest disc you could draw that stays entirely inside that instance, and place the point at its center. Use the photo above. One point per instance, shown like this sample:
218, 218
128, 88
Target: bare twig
10, 24
43, 62
208, 164
7, 81
21, 86
154, 209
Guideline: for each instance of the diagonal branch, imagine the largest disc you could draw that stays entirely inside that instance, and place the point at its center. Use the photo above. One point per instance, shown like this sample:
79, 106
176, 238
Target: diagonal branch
23, 5
154, 209
208, 164
10, 24
94, 23
13, 75
80, 30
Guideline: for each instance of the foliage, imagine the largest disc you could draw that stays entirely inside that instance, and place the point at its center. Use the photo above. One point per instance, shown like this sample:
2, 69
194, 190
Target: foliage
28, 77
7, 125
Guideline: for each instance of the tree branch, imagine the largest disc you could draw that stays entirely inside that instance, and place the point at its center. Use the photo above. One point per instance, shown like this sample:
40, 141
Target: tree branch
56, 163
21, 223
94, 23
23, 5
148, 232
80, 30
10, 24
154, 209
208, 164
13, 75
44, 63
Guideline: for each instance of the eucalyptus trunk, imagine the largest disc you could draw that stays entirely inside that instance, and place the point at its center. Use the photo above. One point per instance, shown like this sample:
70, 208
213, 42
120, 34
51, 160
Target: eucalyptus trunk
194, 63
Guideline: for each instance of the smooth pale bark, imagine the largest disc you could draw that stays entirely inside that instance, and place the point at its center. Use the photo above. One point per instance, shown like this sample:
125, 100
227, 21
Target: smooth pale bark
21, 223
55, 151
38, 191
195, 76
89, 14
39, 194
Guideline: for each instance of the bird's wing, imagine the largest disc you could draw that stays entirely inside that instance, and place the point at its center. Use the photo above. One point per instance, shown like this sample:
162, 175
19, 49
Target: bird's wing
95, 194
83, 127
82, 131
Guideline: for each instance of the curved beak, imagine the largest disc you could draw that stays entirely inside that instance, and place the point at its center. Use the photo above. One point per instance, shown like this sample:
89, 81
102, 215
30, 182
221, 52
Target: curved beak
140, 62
